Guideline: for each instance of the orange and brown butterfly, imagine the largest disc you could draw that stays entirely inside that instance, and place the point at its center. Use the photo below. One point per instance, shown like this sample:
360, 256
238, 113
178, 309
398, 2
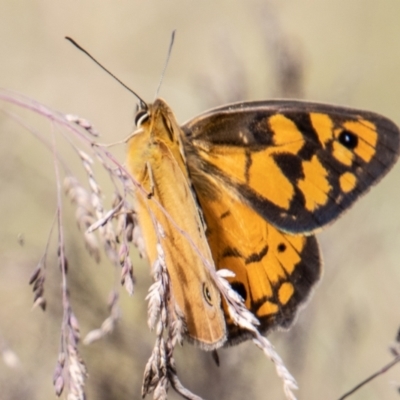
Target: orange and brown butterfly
250, 183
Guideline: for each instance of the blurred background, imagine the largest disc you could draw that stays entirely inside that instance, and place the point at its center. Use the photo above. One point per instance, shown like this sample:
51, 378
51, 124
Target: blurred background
344, 52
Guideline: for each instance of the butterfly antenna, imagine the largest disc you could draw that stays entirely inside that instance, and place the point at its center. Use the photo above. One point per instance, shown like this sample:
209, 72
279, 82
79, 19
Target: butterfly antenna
142, 102
171, 43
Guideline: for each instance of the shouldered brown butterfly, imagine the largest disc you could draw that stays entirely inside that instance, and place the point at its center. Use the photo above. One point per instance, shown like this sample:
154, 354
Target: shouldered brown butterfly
250, 184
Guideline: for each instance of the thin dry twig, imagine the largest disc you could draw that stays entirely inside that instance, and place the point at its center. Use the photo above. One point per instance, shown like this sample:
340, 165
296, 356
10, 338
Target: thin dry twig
381, 371
395, 351
69, 355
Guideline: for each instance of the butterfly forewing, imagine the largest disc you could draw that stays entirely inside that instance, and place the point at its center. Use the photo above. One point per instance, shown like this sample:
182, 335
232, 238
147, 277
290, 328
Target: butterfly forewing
156, 160
298, 164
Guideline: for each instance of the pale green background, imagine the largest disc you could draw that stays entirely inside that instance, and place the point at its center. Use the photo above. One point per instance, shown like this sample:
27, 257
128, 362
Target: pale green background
351, 56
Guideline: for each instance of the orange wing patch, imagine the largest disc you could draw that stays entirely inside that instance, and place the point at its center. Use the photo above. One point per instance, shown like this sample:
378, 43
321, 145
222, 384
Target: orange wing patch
347, 182
274, 271
286, 133
315, 185
323, 127
260, 162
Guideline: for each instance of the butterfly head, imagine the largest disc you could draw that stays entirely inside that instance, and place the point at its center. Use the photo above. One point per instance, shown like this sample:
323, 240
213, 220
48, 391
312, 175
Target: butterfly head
157, 121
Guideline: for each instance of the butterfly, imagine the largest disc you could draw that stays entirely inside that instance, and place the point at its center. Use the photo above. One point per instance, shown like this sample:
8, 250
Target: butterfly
250, 184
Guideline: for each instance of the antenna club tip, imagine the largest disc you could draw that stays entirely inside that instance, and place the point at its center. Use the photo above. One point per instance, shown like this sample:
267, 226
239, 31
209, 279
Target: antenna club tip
72, 41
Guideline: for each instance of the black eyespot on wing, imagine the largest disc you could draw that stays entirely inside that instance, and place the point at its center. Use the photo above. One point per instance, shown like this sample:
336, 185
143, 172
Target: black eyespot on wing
281, 247
207, 294
348, 139
239, 288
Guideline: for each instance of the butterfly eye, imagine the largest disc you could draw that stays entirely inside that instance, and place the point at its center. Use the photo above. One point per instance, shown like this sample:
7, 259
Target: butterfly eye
141, 116
348, 139
207, 294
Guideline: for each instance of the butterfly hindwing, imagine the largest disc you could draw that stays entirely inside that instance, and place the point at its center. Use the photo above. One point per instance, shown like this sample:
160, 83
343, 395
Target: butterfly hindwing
274, 271
298, 164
